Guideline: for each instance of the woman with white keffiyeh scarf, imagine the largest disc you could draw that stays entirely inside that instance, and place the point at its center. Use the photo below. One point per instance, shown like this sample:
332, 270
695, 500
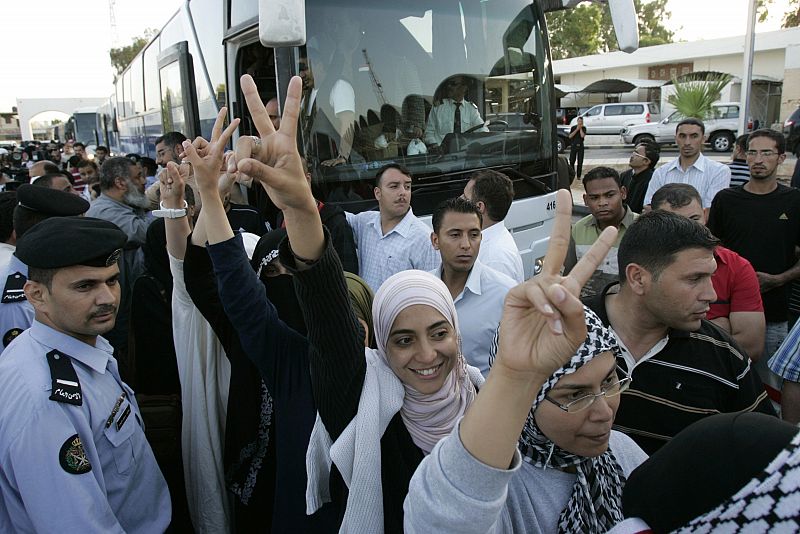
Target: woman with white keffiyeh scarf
549, 399
573, 465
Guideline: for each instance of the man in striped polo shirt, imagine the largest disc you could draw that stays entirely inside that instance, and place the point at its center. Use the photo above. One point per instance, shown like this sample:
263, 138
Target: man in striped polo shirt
740, 171
683, 367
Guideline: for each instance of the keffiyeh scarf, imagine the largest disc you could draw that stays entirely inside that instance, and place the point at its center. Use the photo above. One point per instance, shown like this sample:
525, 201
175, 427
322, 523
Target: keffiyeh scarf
595, 505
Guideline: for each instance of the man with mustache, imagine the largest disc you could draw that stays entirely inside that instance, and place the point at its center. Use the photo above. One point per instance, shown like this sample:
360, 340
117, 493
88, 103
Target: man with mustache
392, 239
683, 367
760, 220
122, 201
73, 452
34, 204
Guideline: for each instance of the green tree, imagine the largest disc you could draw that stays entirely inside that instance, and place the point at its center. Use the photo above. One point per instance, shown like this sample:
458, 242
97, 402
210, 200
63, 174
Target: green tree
791, 18
588, 29
121, 57
574, 32
694, 96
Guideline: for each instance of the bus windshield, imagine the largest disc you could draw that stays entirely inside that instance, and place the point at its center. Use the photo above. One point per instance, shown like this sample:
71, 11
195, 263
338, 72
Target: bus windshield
442, 87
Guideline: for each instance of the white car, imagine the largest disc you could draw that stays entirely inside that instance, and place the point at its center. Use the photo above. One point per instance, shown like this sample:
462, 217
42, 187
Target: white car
721, 131
610, 119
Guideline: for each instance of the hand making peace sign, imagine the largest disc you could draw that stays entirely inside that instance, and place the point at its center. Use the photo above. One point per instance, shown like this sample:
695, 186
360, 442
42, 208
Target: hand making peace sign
543, 321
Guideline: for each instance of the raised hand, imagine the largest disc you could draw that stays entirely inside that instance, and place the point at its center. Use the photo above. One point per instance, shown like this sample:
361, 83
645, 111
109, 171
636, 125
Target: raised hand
227, 179
272, 158
543, 321
171, 185
207, 161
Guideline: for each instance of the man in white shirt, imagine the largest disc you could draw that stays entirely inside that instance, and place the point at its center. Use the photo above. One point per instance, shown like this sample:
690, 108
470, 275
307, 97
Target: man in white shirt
477, 290
392, 239
691, 166
493, 193
453, 114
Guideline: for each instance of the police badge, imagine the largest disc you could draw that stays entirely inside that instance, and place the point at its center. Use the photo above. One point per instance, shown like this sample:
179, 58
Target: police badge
72, 456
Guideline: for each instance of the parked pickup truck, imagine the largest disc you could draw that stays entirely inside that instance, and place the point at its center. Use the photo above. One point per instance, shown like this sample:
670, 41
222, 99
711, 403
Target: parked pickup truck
721, 131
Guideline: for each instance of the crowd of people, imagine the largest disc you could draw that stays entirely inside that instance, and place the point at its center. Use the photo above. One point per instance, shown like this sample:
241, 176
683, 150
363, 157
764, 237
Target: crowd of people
177, 359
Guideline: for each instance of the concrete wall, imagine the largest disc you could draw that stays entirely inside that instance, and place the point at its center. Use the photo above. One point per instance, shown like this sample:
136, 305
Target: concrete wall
790, 98
779, 64
27, 108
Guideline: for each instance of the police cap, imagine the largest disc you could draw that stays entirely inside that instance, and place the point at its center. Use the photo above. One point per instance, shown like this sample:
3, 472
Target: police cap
66, 241
51, 201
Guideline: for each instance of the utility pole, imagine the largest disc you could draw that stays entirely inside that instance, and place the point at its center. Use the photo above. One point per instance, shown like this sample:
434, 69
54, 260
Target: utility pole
113, 22
747, 66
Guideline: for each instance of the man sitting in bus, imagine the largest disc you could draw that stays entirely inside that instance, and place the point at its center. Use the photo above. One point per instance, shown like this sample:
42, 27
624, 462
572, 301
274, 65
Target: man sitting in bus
452, 114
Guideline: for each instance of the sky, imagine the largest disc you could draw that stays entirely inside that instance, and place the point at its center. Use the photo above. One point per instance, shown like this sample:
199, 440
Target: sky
54, 48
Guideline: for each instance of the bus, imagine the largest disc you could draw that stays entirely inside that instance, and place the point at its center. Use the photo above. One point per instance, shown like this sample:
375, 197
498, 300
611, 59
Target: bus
372, 74
81, 126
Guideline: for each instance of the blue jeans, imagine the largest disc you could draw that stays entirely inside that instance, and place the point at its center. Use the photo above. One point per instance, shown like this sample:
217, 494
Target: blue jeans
774, 336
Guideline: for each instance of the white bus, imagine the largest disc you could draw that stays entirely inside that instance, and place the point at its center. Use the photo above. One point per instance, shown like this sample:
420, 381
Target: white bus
373, 71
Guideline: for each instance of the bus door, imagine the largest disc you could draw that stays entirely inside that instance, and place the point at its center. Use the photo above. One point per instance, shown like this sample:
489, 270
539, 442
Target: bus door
249, 56
178, 93
246, 55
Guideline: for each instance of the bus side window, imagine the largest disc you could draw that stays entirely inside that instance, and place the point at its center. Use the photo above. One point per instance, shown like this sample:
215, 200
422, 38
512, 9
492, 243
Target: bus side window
178, 96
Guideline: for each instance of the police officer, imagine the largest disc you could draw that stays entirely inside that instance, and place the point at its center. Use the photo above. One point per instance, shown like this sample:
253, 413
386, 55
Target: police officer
35, 204
73, 454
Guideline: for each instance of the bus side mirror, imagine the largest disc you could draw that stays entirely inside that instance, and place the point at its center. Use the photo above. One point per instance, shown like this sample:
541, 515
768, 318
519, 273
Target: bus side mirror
282, 22
626, 24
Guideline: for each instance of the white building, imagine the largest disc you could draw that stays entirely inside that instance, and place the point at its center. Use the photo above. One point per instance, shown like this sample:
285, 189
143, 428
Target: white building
776, 72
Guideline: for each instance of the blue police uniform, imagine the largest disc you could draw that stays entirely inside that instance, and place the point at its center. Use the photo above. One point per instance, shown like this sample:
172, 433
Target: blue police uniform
73, 454
16, 313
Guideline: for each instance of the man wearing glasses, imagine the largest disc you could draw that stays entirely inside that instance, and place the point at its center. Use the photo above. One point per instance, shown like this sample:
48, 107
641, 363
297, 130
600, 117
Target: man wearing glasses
636, 179
683, 367
761, 221
453, 114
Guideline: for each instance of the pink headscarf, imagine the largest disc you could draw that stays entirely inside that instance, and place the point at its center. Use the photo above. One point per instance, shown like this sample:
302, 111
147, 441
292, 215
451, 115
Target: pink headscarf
428, 417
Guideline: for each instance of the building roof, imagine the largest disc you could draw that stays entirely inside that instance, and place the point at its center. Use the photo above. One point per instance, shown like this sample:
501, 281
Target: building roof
677, 52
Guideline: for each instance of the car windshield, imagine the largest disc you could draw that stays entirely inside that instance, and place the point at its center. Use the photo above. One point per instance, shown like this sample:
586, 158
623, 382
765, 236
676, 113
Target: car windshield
382, 79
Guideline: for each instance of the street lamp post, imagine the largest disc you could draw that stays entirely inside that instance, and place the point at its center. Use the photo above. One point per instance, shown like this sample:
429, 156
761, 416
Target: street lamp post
747, 66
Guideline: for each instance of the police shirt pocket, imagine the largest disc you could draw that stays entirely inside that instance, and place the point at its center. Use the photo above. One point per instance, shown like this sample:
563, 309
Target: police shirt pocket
119, 434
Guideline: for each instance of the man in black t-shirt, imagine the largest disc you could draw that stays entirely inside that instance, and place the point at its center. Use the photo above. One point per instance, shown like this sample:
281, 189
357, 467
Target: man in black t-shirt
761, 222
577, 134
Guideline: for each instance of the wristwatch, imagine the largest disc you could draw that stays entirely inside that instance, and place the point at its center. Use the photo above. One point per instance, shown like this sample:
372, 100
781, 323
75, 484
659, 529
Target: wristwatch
170, 213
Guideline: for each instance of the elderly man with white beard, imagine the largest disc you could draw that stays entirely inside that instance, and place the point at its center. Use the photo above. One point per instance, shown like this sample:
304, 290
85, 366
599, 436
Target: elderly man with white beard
122, 201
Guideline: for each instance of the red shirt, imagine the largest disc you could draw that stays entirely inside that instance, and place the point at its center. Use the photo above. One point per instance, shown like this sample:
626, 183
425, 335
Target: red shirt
736, 285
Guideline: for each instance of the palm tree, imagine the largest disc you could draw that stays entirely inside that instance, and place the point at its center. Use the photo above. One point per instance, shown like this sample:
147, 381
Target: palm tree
694, 97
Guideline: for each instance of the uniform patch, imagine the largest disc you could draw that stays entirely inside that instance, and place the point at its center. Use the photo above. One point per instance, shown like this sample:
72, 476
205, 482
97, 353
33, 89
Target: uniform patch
72, 456
11, 335
123, 417
13, 290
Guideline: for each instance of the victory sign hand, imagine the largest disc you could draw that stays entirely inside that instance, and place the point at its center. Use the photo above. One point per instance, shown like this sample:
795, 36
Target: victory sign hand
543, 321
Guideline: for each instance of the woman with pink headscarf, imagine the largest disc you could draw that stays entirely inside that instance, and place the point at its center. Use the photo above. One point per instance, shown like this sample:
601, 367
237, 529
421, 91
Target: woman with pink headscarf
379, 411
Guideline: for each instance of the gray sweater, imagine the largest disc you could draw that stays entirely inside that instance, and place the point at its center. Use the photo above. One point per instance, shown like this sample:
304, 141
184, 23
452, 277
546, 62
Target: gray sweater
451, 491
